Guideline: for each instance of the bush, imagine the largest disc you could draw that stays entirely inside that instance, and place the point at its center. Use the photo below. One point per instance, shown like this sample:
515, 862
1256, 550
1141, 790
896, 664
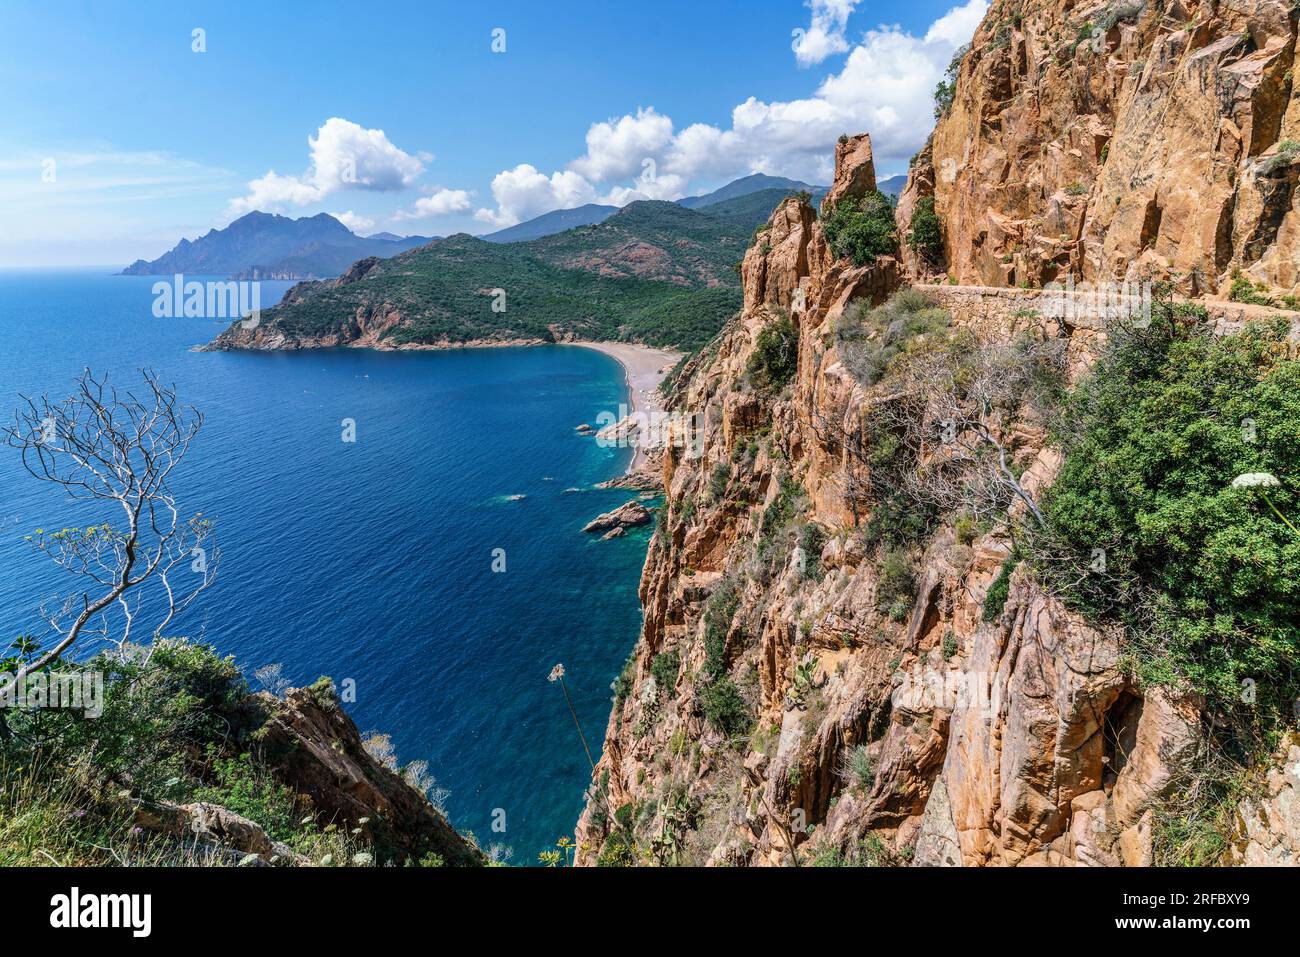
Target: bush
946, 89
857, 769
247, 790
1243, 290
718, 612
724, 708
719, 479
870, 340
1205, 574
896, 585
775, 358
663, 668
812, 539
995, 599
861, 229
926, 236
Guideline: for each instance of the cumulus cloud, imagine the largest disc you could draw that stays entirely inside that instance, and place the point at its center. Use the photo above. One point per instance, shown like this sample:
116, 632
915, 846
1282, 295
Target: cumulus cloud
825, 34
885, 86
442, 202
524, 192
342, 156
354, 222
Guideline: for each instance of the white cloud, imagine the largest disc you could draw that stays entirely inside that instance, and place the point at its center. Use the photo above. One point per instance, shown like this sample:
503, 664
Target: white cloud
957, 26
885, 87
343, 156
355, 222
825, 34
524, 192
442, 202
620, 147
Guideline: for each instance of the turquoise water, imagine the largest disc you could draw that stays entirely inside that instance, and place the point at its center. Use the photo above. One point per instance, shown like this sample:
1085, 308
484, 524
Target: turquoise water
373, 560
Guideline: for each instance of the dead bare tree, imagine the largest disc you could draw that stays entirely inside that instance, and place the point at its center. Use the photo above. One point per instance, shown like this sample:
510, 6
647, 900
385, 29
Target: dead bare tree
959, 405
100, 446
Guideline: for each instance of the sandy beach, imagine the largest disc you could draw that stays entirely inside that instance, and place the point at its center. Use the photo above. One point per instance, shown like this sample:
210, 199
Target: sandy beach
645, 368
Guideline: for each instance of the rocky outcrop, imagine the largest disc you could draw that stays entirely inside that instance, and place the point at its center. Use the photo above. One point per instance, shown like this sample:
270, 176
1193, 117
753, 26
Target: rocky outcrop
309, 745
315, 749
627, 515
848, 730
1120, 140
1268, 824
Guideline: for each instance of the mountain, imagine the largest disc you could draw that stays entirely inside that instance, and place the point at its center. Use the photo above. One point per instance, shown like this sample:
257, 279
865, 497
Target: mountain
555, 221
773, 188
268, 246
893, 185
653, 272
755, 208
746, 185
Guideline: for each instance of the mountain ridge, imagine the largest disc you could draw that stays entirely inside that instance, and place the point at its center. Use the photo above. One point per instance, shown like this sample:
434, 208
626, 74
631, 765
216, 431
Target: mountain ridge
262, 245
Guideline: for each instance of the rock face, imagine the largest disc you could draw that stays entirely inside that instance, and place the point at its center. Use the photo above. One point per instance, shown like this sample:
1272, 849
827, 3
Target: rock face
934, 736
1268, 826
625, 516
317, 750
1120, 140
311, 746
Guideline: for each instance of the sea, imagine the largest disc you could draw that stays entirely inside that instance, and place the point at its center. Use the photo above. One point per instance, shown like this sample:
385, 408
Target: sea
436, 563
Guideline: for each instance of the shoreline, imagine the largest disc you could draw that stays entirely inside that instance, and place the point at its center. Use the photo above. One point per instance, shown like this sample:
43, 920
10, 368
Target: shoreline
644, 368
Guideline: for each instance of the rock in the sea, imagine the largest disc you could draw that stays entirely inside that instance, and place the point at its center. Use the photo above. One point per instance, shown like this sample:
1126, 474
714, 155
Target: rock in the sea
618, 532
628, 514
635, 480
584, 428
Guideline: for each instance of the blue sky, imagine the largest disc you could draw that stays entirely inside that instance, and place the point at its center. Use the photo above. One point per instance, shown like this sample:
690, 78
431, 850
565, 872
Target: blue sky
119, 139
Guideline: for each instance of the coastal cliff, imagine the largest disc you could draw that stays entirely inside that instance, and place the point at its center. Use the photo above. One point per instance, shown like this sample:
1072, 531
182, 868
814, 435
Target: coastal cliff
1119, 140
814, 685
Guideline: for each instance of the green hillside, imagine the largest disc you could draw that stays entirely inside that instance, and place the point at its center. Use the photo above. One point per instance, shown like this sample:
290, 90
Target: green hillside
655, 273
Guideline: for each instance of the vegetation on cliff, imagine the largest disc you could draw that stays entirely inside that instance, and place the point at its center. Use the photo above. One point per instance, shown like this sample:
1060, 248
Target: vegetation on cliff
1180, 450
178, 768
860, 228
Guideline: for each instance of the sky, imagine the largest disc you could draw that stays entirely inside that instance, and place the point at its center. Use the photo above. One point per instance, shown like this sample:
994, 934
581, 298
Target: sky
129, 125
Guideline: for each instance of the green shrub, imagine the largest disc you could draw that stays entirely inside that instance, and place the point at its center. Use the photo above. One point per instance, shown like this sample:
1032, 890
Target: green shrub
1205, 575
775, 358
812, 539
241, 786
1288, 151
776, 354
926, 235
718, 612
724, 708
896, 584
861, 229
857, 769
995, 599
1243, 290
946, 89
719, 479
623, 683
664, 667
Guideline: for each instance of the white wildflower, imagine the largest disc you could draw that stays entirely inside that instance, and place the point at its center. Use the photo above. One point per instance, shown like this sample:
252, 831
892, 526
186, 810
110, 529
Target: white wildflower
1256, 480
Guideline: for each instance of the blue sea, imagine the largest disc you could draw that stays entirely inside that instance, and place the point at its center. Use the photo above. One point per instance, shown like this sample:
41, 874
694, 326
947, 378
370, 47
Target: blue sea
373, 560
